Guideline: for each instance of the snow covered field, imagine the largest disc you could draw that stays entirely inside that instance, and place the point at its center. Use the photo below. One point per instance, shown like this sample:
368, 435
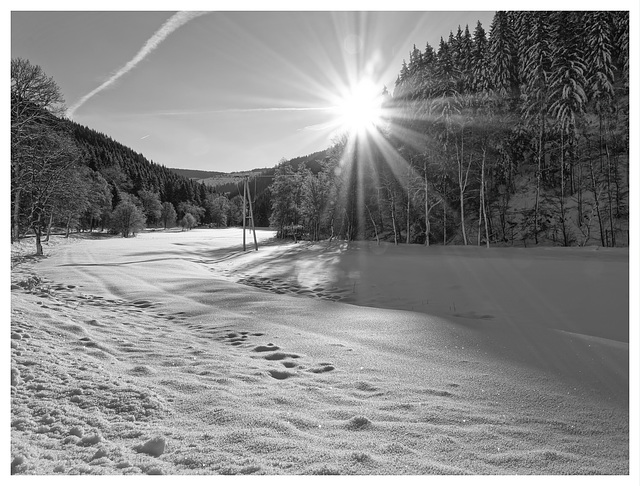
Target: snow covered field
177, 353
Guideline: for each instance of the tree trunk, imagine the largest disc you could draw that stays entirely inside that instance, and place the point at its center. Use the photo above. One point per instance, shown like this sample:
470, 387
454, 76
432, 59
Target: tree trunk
562, 208
49, 226
613, 233
486, 221
616, 178
375, 228
538, 176
37, 228
380, 206
464, 232
483, 212
572, 186
479, 215
15, 229
444, 223
408, 217
332, 229
461, 185
594, 188
579, 187
393, 217
38, 242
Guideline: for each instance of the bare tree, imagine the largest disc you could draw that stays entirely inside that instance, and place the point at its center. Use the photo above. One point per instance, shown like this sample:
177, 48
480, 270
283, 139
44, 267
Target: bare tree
45, 163
34, 98
70, 199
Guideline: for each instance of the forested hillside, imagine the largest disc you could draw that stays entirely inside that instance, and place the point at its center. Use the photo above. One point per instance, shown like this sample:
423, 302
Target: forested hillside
70, 177
129, 172
516, 136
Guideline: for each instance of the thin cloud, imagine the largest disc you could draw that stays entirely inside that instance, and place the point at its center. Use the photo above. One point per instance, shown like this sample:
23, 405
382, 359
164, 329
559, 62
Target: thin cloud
249, 110
171, 25
320, 127
228, 110
236, 110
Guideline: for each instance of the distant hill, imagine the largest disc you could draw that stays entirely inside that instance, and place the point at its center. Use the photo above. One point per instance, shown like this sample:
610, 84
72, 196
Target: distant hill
197, 174
213, 178
227, 182
312, 161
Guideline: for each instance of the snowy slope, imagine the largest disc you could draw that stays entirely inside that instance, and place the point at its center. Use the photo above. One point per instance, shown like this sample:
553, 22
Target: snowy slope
453, 361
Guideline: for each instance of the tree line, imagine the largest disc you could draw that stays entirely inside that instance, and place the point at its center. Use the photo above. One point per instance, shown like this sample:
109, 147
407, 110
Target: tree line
518, 136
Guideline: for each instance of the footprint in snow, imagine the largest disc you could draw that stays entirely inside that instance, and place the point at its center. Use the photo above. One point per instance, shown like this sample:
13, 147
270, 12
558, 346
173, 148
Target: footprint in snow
322, 368
280, 356
268, 348
279, 374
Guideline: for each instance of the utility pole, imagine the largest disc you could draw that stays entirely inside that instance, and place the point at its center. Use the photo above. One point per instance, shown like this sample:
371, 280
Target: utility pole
247, 197
253, 226
244, 217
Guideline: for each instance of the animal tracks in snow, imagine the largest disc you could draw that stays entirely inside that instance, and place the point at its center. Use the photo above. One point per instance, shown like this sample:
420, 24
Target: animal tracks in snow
55, 295
293, 362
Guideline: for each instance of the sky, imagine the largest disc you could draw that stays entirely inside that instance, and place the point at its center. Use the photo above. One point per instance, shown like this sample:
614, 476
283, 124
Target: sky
222, 90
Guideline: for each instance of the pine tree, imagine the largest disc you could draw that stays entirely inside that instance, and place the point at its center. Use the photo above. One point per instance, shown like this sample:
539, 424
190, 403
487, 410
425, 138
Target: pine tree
621, 43
501, 55
466, 62
568, 98
446, 72
517, 22
601, 27
480, 60
567, 85
401, 88
537, 61
598, 55
427, 74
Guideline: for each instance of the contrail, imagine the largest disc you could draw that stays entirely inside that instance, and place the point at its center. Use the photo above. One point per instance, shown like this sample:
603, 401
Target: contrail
173, 23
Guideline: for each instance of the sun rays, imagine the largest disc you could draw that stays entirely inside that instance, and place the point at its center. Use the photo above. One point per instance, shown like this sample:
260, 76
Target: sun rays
361, 109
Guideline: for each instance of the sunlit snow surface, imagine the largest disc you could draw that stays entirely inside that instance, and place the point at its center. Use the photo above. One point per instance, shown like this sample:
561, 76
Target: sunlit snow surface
178, 353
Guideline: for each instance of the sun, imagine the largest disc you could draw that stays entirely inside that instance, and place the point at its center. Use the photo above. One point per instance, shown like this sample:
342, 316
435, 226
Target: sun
360, 109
